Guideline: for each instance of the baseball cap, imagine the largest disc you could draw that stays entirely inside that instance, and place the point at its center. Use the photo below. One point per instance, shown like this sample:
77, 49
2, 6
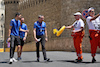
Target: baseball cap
77, 13
90, 9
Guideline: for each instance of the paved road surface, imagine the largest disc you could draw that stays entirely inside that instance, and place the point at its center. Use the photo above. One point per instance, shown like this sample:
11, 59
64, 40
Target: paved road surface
58, 59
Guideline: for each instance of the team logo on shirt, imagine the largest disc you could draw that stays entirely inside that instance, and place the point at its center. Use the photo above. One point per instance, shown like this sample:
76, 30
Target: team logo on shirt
75, 25
96, 24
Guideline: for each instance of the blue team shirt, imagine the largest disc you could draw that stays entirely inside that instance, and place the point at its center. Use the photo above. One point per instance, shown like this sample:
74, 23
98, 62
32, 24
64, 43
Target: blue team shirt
15, 27
40, 28
21, 33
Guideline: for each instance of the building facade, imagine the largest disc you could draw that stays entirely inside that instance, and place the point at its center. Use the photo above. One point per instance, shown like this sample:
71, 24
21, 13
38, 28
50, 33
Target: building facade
2, 20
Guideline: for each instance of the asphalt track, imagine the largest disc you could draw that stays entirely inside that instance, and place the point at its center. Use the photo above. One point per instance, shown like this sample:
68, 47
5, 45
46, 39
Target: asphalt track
58, 59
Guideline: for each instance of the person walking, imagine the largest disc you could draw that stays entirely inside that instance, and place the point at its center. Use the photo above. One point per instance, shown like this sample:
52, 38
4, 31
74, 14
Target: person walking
23, 36
40, 35
13, 36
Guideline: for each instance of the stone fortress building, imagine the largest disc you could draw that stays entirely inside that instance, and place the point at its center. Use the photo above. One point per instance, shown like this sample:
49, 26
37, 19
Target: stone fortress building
57, 13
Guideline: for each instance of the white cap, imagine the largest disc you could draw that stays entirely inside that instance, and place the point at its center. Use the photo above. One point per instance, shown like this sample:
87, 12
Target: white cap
77, 13
90, 9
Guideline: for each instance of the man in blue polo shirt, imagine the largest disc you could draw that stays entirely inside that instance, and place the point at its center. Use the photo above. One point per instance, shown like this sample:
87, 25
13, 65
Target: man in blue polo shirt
23, 36
40, 35
13, 36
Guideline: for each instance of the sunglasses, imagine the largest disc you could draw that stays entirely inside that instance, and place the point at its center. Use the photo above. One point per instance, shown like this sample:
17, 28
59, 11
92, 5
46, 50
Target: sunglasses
91, 11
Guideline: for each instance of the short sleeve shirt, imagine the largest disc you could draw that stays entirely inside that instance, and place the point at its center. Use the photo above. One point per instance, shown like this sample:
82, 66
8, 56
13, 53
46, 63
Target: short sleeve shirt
15, 27
78, 24
40, 28
95, 24
21, 33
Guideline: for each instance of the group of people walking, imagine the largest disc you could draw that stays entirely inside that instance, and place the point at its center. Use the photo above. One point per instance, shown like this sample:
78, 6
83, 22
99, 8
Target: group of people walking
18, 34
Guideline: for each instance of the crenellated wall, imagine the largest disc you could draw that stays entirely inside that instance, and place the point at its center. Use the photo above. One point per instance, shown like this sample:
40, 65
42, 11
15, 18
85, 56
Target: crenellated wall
24, 4
57, 13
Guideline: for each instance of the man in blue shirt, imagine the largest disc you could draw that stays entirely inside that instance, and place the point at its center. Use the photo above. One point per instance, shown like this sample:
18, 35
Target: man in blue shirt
13, 36
40, 35
23, 36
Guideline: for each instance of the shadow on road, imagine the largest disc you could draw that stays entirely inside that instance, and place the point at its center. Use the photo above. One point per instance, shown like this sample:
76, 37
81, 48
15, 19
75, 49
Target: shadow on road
28, 61
3, 62
36, 61
73, 61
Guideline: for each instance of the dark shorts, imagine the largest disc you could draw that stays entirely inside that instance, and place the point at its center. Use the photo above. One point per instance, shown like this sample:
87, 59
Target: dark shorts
21, 41
15, 40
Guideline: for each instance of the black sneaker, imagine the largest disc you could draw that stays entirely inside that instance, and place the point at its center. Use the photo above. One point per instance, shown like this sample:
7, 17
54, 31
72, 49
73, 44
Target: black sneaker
78, 60
38, 60
10, 62
93, 60
47, 60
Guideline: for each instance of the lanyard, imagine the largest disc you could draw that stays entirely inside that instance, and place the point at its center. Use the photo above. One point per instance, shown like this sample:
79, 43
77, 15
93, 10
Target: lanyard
41, 26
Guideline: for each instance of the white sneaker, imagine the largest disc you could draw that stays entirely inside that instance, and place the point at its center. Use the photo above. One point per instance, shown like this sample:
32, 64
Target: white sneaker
11, 60
14, 59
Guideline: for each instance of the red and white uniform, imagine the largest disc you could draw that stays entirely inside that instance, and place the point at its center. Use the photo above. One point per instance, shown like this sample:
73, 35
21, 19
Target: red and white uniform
77, 37
94, 30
